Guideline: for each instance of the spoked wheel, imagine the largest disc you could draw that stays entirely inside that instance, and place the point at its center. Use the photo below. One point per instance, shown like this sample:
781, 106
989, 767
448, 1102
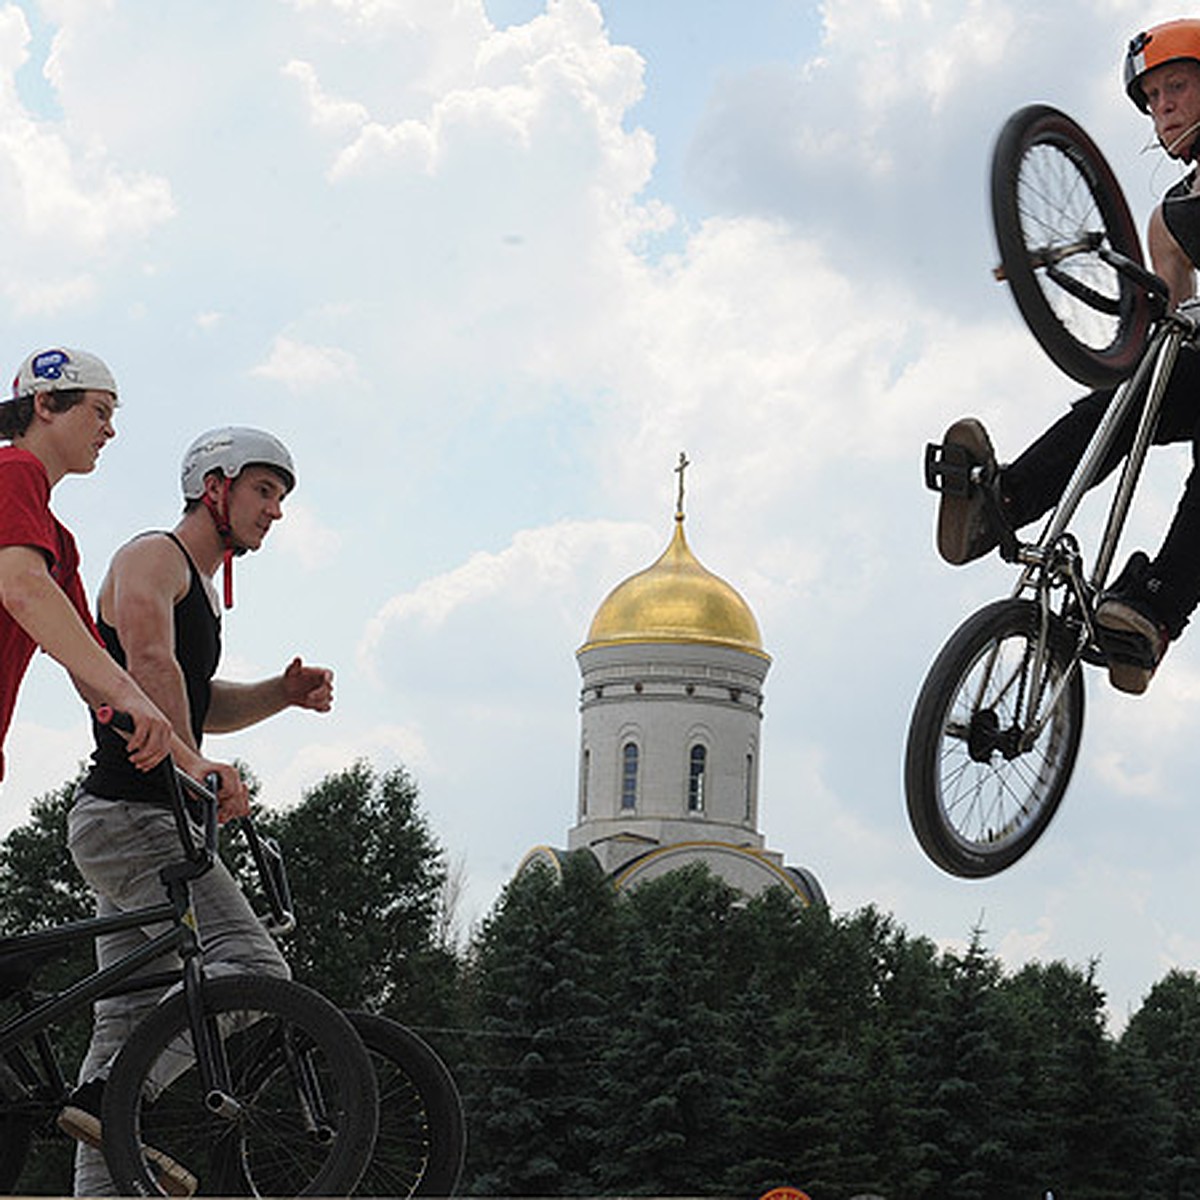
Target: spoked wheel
297, 1109
421, 1142
422, 1134
1056, 205
993, 739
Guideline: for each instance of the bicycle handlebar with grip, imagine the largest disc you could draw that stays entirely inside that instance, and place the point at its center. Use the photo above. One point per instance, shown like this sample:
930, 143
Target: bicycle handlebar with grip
175, 783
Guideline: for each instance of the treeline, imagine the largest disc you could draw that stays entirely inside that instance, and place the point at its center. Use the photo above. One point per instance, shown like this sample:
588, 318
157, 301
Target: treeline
680, 1041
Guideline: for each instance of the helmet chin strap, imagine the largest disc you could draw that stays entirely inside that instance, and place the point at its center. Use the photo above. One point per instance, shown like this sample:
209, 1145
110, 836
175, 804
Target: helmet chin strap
219, 511
1173, 145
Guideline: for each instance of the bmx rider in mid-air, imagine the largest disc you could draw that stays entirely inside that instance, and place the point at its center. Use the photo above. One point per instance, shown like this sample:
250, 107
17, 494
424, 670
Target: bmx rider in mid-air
1150, 601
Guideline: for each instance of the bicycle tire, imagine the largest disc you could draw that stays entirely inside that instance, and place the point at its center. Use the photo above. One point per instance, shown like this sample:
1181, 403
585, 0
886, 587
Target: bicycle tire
1051, 188
267, 1138
976, 801
422, 1141
421, 1144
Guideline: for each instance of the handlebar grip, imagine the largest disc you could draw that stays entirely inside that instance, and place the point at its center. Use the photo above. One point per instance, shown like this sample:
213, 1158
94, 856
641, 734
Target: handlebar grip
122, 722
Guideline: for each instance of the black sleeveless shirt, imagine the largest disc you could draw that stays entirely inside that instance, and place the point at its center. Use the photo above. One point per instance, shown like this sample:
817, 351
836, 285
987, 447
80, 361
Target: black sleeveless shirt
1181, 213
197, 650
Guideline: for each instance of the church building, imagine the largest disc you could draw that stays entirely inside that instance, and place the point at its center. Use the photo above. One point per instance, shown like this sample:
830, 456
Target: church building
671, 708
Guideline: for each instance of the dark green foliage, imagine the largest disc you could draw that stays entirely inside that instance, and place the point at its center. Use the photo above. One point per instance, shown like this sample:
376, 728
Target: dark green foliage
1163, 1038
681, 1040
366, 877
39, 885
542, 966
669, 1067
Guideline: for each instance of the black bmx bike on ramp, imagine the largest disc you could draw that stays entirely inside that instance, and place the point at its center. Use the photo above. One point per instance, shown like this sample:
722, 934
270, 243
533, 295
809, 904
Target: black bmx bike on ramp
995, 730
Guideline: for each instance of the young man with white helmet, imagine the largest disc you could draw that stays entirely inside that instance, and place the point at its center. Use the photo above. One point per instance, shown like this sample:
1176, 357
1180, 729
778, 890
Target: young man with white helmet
1150, 602
58, 418
159, 615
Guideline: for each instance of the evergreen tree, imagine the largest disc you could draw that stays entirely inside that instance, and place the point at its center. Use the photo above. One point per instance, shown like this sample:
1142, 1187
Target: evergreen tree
668, 1085
542, 962
967, 1084
1165, 1035
1068, 1083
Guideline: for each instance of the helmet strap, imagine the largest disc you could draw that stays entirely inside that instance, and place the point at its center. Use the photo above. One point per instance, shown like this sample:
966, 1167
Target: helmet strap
219, 511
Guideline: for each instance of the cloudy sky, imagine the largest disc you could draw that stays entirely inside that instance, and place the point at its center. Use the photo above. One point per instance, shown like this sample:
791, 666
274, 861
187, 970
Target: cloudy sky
488, 266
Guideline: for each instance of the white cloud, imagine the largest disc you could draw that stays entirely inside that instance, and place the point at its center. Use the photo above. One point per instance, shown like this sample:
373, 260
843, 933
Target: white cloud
303, 536
302, 367
64, 202
542, 570
328, 112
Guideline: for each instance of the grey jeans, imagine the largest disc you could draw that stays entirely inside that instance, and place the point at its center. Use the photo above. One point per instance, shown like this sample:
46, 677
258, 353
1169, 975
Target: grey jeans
119, 848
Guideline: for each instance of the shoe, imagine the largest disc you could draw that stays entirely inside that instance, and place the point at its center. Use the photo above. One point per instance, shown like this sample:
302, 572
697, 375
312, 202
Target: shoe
1131, 633
967, 520
80, 1119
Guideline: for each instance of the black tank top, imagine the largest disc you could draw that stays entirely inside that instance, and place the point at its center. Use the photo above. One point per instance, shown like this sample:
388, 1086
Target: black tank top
1181, 212
197, 650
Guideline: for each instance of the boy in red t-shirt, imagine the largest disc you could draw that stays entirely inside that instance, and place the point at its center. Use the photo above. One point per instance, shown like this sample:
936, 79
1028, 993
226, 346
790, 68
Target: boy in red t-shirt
58, 420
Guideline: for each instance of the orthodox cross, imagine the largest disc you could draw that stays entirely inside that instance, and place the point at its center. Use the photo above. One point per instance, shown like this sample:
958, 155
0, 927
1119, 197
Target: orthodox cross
679, 470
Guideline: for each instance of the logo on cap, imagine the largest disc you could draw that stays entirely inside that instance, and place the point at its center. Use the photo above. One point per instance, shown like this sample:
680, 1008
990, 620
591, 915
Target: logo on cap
50, 364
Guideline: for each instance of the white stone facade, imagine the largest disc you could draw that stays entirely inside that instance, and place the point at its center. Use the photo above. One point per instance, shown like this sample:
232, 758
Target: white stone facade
692, 714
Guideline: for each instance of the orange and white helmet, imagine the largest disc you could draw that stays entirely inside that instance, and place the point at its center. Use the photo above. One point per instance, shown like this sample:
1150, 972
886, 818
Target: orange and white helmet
1171, 41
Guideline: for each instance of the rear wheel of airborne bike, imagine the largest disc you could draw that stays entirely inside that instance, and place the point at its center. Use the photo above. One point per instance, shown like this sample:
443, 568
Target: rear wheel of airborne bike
993, 739
1056, 208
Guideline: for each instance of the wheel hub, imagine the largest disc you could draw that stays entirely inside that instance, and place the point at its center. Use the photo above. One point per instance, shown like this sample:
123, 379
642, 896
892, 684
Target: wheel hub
985, 737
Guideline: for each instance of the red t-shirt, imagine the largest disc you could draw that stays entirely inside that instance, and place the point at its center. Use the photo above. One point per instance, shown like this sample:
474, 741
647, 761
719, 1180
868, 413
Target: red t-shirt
26, 520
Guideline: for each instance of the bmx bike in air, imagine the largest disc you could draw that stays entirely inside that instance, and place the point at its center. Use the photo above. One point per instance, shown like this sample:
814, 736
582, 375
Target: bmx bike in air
995, 730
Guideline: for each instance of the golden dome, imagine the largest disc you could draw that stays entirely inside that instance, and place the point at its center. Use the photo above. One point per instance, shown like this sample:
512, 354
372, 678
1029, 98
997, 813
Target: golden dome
675, 599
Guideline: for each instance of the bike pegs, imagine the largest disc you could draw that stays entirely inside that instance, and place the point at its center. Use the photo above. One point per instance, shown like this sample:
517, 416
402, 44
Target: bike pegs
948, 469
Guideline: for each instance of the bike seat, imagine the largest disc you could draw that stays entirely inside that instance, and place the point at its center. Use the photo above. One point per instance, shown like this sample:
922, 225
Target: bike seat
19, 964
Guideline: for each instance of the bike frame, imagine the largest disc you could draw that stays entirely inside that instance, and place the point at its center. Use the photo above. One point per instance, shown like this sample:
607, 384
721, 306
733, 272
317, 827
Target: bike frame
1055, 559
122, 977
1149, 381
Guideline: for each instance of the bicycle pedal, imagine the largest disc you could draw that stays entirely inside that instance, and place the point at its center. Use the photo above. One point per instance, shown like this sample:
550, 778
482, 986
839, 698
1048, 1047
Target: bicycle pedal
948, 469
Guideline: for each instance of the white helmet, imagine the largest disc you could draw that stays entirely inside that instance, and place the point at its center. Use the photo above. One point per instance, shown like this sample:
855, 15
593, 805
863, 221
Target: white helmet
229, 450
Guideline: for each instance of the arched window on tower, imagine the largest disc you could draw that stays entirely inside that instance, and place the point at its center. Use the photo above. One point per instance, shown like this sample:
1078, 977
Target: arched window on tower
629, 775
749, 788
698, 761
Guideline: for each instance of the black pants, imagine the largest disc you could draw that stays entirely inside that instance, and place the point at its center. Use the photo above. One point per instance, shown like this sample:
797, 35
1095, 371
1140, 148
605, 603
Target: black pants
1035, 482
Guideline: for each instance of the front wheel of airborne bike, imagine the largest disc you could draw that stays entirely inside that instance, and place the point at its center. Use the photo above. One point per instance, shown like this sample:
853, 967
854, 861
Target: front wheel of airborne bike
1056, 206
993, 739
297, 1109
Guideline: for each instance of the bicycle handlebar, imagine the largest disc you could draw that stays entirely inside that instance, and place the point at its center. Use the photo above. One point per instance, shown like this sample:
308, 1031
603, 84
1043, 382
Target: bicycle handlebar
268, 858
175, 784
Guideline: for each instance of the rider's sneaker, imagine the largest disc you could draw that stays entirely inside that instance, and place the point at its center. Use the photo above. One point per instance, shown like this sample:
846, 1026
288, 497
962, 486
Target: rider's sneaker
1132, 634
80, 1119
967, 525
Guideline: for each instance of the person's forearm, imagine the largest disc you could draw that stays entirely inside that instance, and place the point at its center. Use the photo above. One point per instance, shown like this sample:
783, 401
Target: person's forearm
235, 706
42, 609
